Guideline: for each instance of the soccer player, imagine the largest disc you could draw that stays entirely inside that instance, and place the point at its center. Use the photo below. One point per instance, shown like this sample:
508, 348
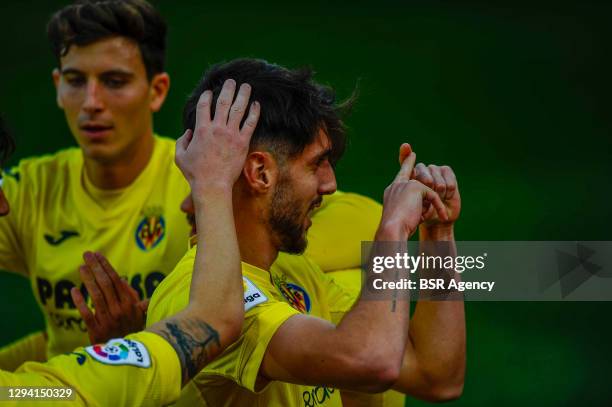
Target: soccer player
118, 193
148, 368
304, 336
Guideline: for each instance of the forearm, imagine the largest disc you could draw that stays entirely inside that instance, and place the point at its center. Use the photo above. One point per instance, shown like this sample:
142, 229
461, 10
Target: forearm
217, 277
195, 340
32, 347
376, 328
437, 338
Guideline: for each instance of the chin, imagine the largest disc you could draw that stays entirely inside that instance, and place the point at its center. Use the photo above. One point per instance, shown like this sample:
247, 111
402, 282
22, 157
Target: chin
99, 153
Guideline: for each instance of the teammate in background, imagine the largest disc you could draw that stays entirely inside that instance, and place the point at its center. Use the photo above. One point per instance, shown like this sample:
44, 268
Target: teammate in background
118, 194
148, 368
304, 336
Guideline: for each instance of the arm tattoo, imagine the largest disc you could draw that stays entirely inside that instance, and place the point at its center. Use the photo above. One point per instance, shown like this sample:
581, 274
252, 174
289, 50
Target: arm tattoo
194, 341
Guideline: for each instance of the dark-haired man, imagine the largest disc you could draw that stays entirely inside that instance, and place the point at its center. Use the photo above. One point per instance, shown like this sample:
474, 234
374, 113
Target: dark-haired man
117, 194
148, 368
304, 337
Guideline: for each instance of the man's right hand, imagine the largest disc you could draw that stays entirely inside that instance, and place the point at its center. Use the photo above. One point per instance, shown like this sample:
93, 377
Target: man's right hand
403, 202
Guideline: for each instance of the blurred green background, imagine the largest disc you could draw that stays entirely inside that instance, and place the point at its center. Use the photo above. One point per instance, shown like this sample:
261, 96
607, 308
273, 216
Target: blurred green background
512, 95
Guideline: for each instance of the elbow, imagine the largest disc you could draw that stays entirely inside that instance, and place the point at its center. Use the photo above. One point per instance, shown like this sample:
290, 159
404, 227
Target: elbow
230, 328
444, 389
378, 373
446, 392
233, 328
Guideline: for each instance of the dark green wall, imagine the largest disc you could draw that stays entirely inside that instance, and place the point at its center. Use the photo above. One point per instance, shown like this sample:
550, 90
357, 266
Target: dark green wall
512, 96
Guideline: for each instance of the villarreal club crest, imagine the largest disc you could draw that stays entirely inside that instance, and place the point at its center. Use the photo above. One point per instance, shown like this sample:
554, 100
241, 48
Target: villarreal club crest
295, 295
151, 229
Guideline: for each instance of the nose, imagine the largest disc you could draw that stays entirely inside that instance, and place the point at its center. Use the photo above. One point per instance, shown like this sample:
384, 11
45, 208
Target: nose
327, 180
93, 100
187, 205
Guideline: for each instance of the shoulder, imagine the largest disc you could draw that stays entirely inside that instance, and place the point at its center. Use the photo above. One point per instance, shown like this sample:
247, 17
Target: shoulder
37, 173
166, 144
49, 162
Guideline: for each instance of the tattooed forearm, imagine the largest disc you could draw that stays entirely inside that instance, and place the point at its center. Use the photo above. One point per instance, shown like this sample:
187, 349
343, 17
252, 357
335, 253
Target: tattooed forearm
194, 341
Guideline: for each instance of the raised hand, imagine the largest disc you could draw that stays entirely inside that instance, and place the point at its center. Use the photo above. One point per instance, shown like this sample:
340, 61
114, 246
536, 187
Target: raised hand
404, 202
118, 310
213, 154
441, 179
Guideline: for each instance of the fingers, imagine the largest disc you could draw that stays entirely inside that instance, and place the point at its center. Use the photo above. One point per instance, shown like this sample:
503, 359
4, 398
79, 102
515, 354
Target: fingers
203, 108
105, 284
144, 305
131, 292
438, 180
441, 179
404, 151
83, 309
240, 105
118, 285
183, 142
450, 180
406, 169
423, 175
431, 196
224, 101
251, 121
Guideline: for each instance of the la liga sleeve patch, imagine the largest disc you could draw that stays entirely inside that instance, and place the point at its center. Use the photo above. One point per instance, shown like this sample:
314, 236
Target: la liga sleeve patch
252, 295
121, 351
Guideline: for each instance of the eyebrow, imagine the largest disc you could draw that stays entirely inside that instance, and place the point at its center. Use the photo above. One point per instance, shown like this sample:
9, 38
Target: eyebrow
322, 155
119, 72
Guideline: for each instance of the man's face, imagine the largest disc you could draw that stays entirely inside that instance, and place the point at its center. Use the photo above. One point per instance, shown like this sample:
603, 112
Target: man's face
106, 97
299, 191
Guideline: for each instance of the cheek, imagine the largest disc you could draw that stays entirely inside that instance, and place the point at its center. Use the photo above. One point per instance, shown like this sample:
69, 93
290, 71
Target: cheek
71, 99
128, 105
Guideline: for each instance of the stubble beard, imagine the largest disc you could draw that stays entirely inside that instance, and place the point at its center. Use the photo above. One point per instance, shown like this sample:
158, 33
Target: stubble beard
286, 220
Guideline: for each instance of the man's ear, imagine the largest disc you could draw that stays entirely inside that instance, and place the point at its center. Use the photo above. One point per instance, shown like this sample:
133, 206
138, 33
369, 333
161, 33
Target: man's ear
160, 84
260, 171
56, 75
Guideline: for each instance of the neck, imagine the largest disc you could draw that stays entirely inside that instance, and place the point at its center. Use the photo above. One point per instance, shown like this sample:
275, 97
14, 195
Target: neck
254, 238
120, 172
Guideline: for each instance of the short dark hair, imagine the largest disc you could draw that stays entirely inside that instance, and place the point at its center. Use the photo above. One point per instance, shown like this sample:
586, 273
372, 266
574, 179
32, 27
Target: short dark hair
86, 22
294, 108
7, 143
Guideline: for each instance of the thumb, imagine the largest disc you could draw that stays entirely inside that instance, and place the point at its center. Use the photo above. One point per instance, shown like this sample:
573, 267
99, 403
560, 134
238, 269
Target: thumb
183, 142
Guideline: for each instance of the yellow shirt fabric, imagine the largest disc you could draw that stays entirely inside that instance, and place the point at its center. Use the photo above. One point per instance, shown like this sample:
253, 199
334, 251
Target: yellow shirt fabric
56, 215
294, 284
146, 372
32, 347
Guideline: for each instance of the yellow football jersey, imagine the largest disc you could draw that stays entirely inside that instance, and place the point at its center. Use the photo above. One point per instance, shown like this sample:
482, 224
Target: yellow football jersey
57, 214
139, 370
294, 285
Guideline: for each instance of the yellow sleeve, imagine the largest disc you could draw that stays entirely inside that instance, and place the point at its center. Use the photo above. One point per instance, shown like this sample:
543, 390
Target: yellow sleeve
16, 223
242, 360
139, 370
339, 226
32, 347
